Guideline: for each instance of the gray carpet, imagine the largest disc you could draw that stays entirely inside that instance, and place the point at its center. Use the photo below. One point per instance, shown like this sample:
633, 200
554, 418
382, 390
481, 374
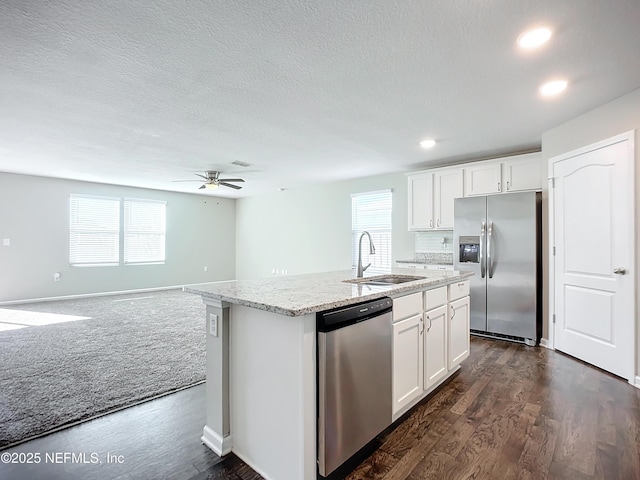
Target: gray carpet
128, 349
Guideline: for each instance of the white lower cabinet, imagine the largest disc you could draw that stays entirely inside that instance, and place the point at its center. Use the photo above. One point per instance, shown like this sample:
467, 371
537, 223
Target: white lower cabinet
430, 339
407, 361
435, 346
458, 331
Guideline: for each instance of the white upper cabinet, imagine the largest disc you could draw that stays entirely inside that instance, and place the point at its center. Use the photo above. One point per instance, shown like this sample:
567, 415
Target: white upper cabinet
522, 172
448, 184
482, 179
508, 174
420, 188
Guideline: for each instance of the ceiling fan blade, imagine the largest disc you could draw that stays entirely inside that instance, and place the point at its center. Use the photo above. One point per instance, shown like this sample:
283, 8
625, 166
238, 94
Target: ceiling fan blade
229, 185
201, 176
186, 180
201, 187
231, 180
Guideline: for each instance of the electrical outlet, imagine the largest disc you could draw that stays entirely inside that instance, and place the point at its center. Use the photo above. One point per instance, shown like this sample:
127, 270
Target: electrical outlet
206, 269
56, 277
213, 324
6, 242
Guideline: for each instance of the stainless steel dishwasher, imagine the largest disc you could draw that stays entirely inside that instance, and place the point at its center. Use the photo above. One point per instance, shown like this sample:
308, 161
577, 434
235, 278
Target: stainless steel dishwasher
354, 379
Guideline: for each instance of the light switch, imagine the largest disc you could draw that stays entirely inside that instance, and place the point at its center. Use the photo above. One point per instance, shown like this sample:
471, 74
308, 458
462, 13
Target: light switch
213, 324
6, 242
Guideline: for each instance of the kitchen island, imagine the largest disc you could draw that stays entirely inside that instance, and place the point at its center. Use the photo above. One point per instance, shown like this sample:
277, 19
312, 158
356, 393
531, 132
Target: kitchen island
261, 362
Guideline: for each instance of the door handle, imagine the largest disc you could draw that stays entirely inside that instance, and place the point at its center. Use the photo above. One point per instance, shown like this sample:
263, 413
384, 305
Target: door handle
490, 249
481, 254
620, 271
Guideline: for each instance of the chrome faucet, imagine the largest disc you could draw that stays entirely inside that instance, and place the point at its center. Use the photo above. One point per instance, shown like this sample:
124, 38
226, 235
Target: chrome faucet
372, 250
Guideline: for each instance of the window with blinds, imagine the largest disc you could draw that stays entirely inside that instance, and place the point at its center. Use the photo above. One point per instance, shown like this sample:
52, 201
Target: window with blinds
371, 212
144, 231
94, 224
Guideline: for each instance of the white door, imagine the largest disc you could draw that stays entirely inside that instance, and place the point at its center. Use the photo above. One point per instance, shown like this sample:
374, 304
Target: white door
435, 346
447, 185
459, 345
483, 179
407, 361
593, 234
420, 189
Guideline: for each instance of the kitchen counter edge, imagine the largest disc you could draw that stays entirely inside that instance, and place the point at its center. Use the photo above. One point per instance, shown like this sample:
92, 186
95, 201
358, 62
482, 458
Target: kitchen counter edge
208, 291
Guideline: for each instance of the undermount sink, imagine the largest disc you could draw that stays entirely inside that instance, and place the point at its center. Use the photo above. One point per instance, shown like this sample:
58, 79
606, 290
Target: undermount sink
384, 280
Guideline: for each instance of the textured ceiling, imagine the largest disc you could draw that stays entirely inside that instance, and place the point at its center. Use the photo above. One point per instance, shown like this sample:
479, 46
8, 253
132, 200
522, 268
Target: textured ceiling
143, 93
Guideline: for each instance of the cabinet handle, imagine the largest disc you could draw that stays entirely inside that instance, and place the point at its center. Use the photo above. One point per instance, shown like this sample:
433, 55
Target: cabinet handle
453, 312
421, 326
499, 187
461, 284
429, 327
438, 222
431, 223
508, 186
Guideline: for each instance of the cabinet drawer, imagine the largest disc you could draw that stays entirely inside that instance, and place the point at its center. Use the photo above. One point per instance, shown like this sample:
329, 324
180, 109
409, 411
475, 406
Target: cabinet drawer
407, 306
458, 290
435, 298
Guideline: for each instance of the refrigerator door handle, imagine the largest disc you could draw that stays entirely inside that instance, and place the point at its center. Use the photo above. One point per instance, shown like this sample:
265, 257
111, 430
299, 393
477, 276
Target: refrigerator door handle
481, 253
489, 249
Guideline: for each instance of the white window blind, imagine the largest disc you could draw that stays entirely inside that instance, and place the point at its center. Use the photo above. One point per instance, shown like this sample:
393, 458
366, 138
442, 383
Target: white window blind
144, 231
371, 212
94, 224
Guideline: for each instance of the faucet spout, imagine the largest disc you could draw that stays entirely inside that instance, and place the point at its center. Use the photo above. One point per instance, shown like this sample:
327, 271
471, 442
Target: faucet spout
372, 250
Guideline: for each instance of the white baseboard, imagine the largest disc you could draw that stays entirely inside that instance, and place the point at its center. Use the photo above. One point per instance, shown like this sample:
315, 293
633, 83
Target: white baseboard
545, 343
88, 295
248, 461
637, 383
220, 445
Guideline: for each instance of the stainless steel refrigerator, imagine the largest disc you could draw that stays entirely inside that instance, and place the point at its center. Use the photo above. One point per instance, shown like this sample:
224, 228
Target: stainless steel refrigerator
498, 238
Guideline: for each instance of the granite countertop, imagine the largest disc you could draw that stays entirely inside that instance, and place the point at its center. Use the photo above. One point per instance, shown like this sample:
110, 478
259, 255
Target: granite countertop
297, 295
422, 261
431, 258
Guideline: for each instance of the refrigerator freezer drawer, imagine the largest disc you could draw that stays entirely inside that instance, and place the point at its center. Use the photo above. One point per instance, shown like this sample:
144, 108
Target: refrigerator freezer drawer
458, 290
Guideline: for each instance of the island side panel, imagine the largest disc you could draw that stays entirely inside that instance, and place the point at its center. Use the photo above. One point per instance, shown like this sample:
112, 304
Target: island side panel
216, 433
273, 392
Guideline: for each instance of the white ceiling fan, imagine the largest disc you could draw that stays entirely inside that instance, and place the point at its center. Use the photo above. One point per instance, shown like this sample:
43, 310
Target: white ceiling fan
212, 180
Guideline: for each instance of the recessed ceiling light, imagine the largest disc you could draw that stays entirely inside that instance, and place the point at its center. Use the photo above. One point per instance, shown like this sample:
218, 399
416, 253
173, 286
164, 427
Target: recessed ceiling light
428, 143
552, 88
534, 38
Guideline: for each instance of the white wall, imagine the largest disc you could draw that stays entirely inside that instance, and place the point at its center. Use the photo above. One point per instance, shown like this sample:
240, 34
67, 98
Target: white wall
34, 215
618, 116
309, 230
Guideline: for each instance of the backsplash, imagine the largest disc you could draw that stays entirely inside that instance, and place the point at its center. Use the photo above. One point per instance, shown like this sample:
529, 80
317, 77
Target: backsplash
434, 242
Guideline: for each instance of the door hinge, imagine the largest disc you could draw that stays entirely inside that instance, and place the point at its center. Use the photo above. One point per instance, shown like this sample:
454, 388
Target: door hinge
554, 251
554, 318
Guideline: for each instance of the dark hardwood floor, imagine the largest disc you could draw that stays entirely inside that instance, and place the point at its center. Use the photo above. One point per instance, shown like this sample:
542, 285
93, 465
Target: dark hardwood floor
515, 412
511, 412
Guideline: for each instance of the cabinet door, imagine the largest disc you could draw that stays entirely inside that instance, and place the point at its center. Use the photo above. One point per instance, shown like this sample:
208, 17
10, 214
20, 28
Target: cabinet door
435, 346
523, 173
407, 361
447, 186
420, 189
482, 179
458, 331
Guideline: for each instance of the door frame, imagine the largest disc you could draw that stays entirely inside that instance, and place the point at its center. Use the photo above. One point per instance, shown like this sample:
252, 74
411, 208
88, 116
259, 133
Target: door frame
630, 138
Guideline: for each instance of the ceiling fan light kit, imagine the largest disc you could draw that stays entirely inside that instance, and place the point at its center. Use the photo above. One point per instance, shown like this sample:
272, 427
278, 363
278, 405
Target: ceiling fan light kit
212, 181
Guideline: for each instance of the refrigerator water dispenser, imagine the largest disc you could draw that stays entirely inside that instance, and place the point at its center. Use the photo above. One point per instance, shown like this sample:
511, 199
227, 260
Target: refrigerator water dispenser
469, 249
